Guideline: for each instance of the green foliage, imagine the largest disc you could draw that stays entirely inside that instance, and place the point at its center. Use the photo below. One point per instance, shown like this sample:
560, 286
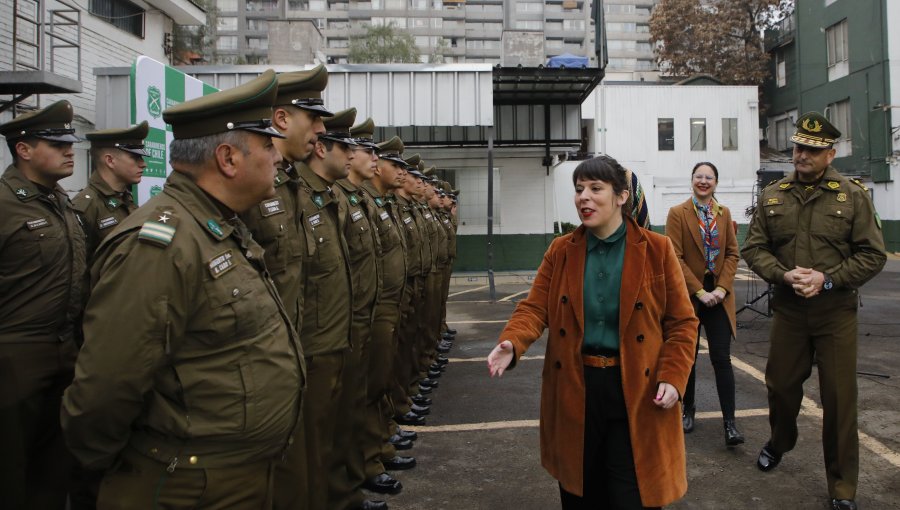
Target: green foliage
383, 45
566, 228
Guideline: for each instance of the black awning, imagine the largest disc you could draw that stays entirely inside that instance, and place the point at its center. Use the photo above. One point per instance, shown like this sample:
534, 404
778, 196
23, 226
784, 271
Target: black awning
544, 85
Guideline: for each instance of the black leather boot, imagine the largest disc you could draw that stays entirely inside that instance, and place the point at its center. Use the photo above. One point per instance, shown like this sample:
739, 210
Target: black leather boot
687, 419
733, 436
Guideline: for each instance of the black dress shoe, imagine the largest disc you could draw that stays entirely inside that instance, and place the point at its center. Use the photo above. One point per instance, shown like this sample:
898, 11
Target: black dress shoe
768, 458
441, 359
399, 463
421, 400
410, 418
425, 390
733, 436
434, 374
843, 504
687, 420
437, 367
448, 336
399, 443
451, 331
412, 435
372, 504
430, 383
420, 410
383, 484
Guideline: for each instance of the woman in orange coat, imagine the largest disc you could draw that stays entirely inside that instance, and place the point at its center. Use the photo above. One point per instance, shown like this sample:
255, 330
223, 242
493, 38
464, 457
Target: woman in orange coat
621, 344
704, 239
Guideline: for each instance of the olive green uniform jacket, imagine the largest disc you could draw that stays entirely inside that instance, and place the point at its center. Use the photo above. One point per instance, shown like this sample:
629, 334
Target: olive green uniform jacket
833, 231
412, 236
362, 246
391, 251
42, 262
101, 208
189, 356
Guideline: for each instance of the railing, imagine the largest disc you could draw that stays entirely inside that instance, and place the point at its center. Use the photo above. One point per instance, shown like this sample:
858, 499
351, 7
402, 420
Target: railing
30, 27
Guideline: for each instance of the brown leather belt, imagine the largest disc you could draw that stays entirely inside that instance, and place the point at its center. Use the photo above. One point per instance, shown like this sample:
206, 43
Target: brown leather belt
600, 361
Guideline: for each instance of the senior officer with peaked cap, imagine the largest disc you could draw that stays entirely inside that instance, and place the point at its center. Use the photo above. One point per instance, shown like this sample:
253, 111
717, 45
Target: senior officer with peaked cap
815, 235
118, 163
187, 389
42, 280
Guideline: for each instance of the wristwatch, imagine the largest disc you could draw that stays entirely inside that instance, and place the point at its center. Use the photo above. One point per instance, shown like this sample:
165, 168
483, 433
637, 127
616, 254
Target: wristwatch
829, 284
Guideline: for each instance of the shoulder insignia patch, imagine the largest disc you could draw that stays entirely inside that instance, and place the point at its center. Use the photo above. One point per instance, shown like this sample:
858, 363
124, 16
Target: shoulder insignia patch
784, 185
834, 185
21, 192
220, 264
214, 228
160, 234
354, 199
842, 197
112, 203
860, 184
107, 222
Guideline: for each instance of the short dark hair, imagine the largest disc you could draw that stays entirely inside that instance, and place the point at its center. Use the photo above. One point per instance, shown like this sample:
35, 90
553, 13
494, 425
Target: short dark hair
32, 141
602, 168
706, 163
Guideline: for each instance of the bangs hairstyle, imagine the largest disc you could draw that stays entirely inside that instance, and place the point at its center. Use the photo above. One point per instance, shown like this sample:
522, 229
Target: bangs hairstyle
706, 163
602, 168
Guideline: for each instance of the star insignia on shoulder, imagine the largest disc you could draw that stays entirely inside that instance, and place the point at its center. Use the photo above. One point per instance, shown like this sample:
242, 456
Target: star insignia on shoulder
164, 218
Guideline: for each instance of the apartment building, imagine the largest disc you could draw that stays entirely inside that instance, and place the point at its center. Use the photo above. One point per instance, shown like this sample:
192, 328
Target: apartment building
448, 31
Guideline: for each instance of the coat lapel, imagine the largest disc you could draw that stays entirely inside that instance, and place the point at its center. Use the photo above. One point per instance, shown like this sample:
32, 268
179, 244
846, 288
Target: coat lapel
576, 254
632, 273
689, 215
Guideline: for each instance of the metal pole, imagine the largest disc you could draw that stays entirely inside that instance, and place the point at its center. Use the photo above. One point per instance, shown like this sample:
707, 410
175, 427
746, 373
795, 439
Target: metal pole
490, 213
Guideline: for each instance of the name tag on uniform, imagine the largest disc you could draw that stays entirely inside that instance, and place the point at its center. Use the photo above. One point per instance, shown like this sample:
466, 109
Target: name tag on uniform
774, 201
220, 264
427, 216
407, 220
315, 219
356, 216
446, 222
36, 224
384, 216
271, 207
107, 222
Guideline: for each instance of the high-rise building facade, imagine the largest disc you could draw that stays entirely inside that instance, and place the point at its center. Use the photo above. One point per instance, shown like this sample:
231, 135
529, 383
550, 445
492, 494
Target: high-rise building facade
444, 30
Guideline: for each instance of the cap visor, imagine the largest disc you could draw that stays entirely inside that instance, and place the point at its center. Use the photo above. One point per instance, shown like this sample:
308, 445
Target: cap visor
318, 109
139, 152
67, 138
339, 139
269, 131
399, 161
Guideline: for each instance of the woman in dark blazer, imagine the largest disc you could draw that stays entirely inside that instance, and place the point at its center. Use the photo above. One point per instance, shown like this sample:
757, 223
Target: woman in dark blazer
701, 232
622, 336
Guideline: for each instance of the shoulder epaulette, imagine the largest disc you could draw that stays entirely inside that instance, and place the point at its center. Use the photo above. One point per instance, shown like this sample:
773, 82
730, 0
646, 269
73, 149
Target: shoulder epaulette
159, 232
860, 184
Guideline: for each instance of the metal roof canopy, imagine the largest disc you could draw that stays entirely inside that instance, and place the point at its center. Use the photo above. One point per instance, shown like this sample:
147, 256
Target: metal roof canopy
544, 85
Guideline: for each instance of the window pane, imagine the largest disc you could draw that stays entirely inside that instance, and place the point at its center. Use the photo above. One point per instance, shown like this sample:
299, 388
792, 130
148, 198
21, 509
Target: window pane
698, 134
729, 135
666, 134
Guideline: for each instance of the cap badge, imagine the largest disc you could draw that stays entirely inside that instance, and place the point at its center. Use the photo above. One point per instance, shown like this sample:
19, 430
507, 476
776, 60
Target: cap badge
22, 192
841, 197
214, 228
813, 127
834, 185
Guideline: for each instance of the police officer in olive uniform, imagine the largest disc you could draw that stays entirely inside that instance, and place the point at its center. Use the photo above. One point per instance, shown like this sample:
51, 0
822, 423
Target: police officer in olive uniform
447, 222
277, 225
118, 163
42, 284
428, 332
187, 389
815, 235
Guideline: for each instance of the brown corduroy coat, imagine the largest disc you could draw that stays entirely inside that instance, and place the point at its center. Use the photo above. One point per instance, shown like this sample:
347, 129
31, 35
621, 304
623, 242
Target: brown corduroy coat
684, 231
657, 331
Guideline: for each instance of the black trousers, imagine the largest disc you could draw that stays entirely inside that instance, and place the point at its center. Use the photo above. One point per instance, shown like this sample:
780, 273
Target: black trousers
718, 334
609, 478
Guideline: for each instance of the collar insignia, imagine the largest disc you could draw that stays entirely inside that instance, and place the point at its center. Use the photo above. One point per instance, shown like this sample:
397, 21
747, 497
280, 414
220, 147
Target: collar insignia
784, 185
379, 202
112, 203
317, 198
22, 192
214, 228
841, 197
834, 184
353, 199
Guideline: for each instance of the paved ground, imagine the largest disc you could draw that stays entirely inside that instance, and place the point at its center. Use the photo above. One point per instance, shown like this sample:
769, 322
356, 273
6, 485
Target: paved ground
479, 449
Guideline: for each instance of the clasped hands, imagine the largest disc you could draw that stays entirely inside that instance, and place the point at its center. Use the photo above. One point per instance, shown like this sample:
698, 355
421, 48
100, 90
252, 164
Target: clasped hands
712, 298
806, 282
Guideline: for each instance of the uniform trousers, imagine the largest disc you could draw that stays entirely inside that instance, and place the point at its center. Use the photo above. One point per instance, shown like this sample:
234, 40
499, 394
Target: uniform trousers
405, 361
137, 482
324, 387
382, 351
822, 328
36, 466
445, 292
429, 332
714, 320
610, 481
347, 464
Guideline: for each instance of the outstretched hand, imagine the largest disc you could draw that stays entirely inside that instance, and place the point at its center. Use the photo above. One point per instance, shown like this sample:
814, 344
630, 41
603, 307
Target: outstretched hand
500, 358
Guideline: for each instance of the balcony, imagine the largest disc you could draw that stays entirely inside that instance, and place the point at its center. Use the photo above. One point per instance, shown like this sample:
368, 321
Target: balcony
782, 33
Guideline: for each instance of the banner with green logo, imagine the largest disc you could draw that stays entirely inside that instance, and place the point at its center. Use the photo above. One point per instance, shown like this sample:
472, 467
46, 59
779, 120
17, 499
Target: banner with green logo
155, 87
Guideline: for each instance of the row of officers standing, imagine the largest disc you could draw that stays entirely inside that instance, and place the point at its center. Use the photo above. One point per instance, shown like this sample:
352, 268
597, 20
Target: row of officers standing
252, 337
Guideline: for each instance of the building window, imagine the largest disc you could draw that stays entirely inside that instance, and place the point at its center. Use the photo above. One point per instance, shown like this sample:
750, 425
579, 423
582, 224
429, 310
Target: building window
260, 25
227, 5
729, 134
394, 4
838, 53
529, 25
698, 134
780, 71
784, 129
121, 14
529, 7
338, 43
258, 43
665, 129
573, 24
418, 5
226, 42
226, 24
839, 115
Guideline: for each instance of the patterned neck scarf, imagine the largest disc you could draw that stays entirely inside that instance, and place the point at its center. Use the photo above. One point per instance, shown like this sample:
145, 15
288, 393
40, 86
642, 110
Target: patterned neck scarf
709, 231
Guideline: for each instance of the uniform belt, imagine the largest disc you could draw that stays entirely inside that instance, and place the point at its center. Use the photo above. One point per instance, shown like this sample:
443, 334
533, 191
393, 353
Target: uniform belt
600, 361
